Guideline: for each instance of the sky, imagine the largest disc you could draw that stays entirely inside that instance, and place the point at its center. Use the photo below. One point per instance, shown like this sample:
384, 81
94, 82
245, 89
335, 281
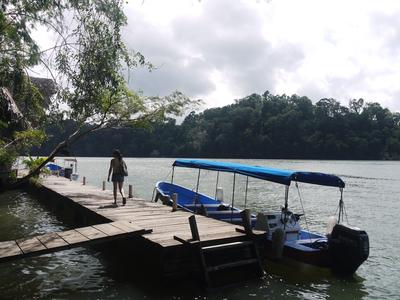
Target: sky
222, 50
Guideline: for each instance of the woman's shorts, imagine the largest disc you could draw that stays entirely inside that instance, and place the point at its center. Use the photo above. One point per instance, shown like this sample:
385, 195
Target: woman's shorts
117, 178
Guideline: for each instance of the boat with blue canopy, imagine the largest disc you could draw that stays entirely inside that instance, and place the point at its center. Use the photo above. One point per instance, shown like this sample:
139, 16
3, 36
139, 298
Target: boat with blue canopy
342, 249
66, 167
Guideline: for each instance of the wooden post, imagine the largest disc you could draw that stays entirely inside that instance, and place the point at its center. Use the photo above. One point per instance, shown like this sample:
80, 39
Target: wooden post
193, 228
174, 202
130, 191
104, 185
203, 211
246, 219
84, 180
278, 240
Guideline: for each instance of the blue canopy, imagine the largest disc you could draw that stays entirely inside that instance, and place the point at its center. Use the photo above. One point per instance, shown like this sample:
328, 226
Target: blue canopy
53, 167
269, 174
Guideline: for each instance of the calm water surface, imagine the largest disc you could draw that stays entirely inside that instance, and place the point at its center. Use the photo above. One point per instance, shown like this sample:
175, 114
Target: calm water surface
371, 197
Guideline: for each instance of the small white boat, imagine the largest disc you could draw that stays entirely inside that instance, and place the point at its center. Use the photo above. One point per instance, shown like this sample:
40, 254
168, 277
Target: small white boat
67, 167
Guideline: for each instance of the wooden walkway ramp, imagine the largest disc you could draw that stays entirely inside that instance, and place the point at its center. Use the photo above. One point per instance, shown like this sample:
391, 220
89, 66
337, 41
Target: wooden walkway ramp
57, 241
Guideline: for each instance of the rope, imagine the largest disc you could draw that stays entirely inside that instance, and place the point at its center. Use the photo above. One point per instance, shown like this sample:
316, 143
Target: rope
344, 207
304, 213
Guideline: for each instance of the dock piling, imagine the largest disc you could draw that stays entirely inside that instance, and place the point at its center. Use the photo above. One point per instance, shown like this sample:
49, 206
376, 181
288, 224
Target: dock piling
104, 185
246, 219
174, 202
130, 191
84, 180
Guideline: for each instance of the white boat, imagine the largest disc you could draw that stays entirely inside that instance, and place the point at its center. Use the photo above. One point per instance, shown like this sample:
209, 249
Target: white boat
67, 167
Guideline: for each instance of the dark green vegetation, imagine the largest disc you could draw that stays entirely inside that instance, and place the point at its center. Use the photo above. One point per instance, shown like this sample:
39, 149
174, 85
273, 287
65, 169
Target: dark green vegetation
258, 126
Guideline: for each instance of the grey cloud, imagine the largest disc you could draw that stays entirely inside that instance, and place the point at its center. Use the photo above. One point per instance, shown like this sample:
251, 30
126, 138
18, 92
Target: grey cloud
227, 37
345, 89
174, 69
231, 39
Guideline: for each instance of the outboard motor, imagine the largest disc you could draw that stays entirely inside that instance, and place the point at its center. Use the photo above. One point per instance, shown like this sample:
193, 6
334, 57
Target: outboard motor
348, 248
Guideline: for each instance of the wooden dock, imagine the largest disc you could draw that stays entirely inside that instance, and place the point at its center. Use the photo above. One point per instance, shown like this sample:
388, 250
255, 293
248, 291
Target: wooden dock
154, 226
144, 214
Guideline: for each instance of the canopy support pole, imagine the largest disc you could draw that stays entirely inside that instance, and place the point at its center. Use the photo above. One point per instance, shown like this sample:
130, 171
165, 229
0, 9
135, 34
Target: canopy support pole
172, 177
245, 194
216, 185
285, 210
286, 197
197, 192
233, 195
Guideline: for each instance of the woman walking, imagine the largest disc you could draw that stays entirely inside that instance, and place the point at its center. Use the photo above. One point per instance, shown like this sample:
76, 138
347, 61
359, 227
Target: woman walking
119, 170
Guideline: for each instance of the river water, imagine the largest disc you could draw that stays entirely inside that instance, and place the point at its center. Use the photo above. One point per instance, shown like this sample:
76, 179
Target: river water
372, 202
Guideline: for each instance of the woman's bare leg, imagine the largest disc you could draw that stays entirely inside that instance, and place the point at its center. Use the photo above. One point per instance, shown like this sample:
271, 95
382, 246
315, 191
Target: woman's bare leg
121, 189
115, 192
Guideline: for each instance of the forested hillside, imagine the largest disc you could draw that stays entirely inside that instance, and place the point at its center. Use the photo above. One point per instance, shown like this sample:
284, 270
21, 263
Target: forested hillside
258, 126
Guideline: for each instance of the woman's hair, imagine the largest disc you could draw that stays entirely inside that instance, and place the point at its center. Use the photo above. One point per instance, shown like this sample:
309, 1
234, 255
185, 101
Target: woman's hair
116, 153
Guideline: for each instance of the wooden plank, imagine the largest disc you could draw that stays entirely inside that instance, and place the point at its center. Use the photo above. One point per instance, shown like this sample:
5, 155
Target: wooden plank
136, 209
72, 237
168, 223
9, 249
30, 245
52, 240
126, 226
145, 216
162, 222
109, 229
215, 237
119, 212
233, 264
91, 233
183, 227
123, 210
221, 232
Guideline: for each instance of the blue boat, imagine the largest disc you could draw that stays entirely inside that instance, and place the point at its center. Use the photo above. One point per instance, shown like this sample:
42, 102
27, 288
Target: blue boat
342, 250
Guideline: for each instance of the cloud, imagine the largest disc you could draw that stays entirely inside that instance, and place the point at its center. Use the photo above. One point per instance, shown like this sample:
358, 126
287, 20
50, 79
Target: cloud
221, 50
200, 54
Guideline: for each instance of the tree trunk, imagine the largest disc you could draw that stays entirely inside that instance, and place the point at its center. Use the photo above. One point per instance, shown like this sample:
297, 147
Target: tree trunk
67, 142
